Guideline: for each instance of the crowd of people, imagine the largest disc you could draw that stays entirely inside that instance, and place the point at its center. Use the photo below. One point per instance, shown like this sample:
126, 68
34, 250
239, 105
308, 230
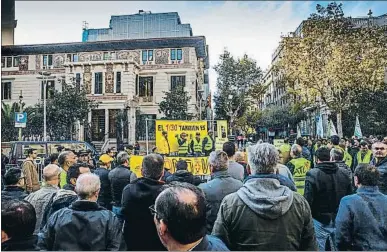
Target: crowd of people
296, 197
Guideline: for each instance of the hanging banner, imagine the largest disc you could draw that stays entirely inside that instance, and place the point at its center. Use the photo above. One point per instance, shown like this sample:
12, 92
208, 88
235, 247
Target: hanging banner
196, 165
278, 142
174, 128
221, 137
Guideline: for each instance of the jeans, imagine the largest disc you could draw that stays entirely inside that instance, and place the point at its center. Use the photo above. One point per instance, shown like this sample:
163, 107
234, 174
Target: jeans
322, 233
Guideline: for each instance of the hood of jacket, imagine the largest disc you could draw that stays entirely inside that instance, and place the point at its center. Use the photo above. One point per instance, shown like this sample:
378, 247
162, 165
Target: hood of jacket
327, 167
145, 187
266, 197
181, 176
62, 193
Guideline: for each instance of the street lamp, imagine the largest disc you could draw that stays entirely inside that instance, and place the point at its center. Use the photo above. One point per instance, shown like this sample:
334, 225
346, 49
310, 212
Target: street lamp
21, 111
200, 94
230, 96
44, 75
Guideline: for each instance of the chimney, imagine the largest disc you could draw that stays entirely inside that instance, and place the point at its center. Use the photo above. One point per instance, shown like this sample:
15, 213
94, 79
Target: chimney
140, 11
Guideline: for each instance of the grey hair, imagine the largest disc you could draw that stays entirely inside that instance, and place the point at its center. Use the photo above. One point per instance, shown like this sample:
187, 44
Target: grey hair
238, 156
63, 156
296, 150
219, 160
51, 171
263, 158
336, 154
87, 184
122, 157
152, 166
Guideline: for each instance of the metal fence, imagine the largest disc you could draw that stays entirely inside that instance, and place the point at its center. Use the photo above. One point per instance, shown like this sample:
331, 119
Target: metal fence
39, 166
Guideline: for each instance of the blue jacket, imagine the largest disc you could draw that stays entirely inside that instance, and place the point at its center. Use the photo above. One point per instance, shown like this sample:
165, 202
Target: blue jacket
361, 222
382, 167
210, 243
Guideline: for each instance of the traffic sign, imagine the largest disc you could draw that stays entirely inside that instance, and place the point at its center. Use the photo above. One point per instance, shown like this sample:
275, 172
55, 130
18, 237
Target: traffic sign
20, 120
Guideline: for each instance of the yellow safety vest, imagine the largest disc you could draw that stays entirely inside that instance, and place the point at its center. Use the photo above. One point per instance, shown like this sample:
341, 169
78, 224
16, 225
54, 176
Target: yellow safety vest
366, 159
183, 149
197, 145
347, 157
209, 143
301, 167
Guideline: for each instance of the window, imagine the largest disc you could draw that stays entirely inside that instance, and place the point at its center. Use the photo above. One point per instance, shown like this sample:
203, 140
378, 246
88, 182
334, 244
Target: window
136, 84
15, 61
9, 62
6, 90
72, 57
2, 62
75, 57
106, 56
98, 83
176, 54
147, 55
47, 60
145, 86
50, 88
118, 82
113, 55
78, 81
177, 81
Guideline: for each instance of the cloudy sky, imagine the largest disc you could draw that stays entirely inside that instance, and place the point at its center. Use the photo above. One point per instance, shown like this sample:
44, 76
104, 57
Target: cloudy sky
252, 27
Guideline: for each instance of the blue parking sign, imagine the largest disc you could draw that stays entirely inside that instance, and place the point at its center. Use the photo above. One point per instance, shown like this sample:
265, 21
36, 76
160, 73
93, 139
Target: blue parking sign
20, 120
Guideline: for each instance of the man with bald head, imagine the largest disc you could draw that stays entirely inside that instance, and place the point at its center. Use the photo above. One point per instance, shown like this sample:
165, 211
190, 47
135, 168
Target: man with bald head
379, 150
41, 198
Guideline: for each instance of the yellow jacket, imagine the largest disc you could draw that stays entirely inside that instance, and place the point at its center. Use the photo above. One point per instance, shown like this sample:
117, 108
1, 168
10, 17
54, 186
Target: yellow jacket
163, 146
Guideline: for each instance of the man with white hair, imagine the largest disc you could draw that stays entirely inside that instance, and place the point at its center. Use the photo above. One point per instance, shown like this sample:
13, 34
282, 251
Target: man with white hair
263, 214
84, 225
41, 198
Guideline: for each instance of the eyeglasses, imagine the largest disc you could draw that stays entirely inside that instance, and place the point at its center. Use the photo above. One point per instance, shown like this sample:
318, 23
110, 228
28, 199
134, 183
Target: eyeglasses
153, 211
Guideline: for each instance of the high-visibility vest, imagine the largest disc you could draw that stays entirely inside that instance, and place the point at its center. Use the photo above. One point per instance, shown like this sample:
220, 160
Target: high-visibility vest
197, 145
301, 167
285, 148
347, 157
366, 159
285, 151
208, 146
183, 149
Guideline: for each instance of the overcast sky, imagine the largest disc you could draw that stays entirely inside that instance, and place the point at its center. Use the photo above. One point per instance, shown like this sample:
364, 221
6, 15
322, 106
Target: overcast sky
242, 27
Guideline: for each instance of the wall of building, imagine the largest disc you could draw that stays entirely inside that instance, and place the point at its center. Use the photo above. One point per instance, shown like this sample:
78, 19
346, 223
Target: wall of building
7, 36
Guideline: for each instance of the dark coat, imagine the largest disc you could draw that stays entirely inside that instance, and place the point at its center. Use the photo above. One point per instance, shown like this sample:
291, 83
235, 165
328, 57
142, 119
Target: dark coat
210, 243
220, 185
184, 176
83, 226
325, 186
13, 192
26, 244
69, 187
139, 231
120, 177
166, 175
382, 167
264, 215
105, 193
361, 222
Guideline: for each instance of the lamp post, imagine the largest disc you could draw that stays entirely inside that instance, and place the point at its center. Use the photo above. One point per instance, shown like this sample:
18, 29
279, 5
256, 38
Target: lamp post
21, 111
230, 96
44, 75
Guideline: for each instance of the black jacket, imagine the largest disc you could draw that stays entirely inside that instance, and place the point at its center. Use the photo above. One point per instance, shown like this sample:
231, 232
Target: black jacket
166, 175
325, 186
184, 176
12, 192
119, 177
69, 187
140, 231
26, 244
105, 193
382, 167
83, 226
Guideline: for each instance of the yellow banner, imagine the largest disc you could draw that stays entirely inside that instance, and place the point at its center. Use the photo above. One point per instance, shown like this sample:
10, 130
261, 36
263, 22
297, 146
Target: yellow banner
221, 137
196, 165
174, 129
278, 142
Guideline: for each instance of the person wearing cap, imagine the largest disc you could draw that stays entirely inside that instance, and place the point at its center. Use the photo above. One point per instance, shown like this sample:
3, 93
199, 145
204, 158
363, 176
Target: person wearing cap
196, 145
208, 143
183, 144
103, 169
83, 156
163, 147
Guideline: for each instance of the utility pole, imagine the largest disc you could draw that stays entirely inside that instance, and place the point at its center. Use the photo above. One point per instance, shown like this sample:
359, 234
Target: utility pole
21, 111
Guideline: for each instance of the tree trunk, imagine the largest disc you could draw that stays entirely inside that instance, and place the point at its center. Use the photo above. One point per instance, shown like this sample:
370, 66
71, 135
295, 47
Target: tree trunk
339, 123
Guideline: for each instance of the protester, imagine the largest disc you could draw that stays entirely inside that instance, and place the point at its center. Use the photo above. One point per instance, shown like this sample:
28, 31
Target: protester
337, 156
380, 161
285, 150
73, 173
18, 221
264, 215
298, 166
325, 186
220, 185
66, 159
364, 156
84, 225
208, 143
137, 197
180, 219
337, 143
83, 156
111, 153
30, 171
120, 177
241, 159
14, 185
183, 175
164, 148
234, 169
41, 198
361, 221
103, 169
52, 159
305, 151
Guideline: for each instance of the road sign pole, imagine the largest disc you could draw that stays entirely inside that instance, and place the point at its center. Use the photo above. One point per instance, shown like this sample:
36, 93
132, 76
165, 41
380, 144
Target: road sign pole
21, 111
44, 112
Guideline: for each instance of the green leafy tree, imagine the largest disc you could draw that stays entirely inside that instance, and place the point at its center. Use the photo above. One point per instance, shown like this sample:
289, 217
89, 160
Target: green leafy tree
334, 61
175, 104
8, 130
237, 83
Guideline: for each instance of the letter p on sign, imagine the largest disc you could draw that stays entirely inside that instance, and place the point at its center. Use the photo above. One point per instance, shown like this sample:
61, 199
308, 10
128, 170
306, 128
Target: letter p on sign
20, 120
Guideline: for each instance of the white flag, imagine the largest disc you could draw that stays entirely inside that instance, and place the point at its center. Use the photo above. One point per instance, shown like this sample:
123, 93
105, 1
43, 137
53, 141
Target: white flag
358, 129
320, 129
333, 129
298, 131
